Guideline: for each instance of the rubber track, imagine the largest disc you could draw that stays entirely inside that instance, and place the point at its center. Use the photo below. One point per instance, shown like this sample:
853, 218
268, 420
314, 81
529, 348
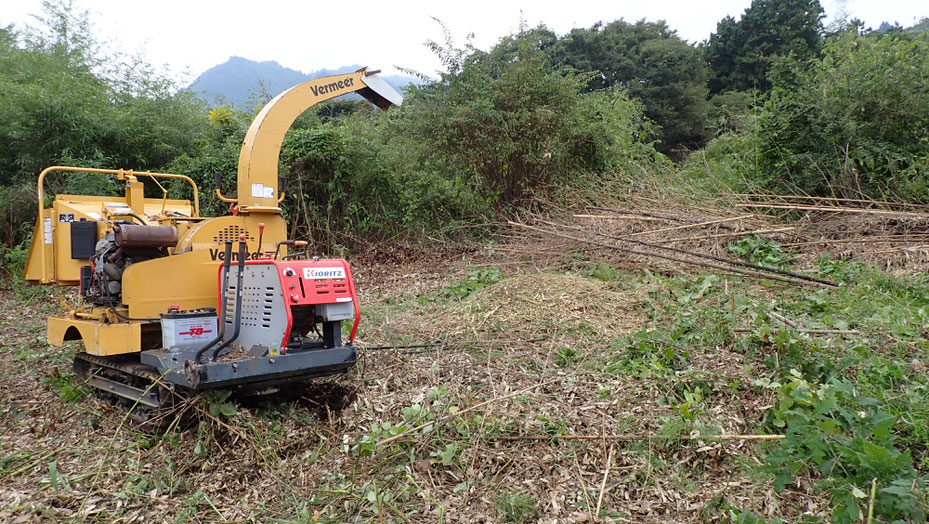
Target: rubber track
119, 363
148, 419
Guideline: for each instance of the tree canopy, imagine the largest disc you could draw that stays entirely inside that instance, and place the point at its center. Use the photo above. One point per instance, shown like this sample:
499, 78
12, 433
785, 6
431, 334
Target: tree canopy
64, 100
651, 63
739, 53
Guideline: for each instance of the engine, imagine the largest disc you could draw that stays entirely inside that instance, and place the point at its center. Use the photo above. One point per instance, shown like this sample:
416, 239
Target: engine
101, 282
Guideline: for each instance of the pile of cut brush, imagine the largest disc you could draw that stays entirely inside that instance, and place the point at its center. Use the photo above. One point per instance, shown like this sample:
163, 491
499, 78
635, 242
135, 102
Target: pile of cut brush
669, 234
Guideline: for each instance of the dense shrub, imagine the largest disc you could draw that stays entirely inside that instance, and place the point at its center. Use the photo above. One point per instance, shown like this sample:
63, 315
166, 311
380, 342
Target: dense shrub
855, 122
511, 121
356, 181
64, 100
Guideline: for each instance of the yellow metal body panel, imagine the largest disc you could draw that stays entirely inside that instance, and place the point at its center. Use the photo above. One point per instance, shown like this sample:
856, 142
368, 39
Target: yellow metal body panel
41, 248
212, 232
189, 277
99, 338
188, 280
54, 232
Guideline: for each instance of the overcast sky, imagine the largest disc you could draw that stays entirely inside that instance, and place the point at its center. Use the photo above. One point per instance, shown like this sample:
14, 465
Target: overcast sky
190, 36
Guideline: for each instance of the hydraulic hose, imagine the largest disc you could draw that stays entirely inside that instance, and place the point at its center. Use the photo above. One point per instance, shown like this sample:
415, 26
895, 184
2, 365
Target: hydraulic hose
222, 303
237, 321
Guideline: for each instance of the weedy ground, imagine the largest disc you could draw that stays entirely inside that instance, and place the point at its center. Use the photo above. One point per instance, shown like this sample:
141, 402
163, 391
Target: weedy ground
522, 355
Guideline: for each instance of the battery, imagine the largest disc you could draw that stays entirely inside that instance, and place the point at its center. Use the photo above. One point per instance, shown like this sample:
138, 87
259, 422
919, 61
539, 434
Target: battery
187, 328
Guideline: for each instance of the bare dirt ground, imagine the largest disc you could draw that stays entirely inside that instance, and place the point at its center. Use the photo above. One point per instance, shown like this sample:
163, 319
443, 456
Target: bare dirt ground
530, 345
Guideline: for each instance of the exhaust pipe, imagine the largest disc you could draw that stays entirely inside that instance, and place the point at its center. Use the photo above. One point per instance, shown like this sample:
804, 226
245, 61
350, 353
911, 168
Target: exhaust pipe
222, 301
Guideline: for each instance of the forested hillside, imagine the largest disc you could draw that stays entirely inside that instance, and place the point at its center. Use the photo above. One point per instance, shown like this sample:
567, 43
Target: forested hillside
777, 100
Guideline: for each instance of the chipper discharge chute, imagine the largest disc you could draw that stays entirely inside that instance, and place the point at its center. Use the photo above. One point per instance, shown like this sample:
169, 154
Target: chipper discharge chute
175, 301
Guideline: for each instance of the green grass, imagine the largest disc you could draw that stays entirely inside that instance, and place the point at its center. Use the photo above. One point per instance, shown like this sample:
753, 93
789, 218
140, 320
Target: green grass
514, 507
853, 407
821, 384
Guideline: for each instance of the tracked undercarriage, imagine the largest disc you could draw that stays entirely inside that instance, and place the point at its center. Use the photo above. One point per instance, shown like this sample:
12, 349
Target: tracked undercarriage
131, 387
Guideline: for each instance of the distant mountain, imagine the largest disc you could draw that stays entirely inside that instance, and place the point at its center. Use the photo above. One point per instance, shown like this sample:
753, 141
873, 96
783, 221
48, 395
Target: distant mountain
235, 80
923, 25
886, 27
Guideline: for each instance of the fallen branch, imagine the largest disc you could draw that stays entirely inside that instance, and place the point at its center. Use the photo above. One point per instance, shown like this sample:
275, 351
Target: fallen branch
606, 475
836, 209
783, 319
830, 331
629, 437
901, 248
820, 281
620, 217
535, 251
884, 203
736, 234
857, 240
690, 226
635, 213
637, 437
32, 465
796, 327
408, 346
719, 267
810, 331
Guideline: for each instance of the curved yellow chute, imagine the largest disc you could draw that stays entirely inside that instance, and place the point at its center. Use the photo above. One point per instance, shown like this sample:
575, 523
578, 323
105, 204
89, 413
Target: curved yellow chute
258, 160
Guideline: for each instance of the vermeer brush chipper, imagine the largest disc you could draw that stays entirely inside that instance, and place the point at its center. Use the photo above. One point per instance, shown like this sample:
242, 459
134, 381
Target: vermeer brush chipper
173, 300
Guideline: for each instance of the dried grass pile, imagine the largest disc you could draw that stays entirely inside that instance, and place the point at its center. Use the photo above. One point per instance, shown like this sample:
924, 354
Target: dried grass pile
540, 306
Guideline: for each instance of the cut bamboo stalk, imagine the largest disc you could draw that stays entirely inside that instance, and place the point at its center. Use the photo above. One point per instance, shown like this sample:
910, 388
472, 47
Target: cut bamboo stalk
690, 226
783, 319
606, 475
635, 213
837, 209
901, 248
720, 267
901, 238
638, 436
622, 217
731, 261
811, 331
737, 234
830, 199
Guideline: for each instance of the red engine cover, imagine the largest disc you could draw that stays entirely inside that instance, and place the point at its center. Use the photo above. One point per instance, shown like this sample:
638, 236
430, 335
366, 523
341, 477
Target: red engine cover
310, 282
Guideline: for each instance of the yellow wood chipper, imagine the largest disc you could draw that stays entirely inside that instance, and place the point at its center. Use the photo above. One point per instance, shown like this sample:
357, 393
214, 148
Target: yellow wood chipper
175, 301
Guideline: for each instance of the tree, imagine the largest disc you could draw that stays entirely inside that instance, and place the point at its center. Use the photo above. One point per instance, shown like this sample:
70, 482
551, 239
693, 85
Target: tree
739, 53
515, 122
65, 101
651, 63
855, 122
